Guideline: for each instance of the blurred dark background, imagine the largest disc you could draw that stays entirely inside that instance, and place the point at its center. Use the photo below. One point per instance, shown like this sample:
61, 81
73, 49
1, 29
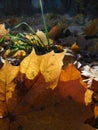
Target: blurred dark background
29, 7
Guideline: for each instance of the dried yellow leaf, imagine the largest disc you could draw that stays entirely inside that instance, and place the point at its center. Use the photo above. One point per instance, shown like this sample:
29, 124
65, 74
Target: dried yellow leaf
7, 88
75, 47
88, 96
39, 38
19, 54
30, 65
50, 67
3, 31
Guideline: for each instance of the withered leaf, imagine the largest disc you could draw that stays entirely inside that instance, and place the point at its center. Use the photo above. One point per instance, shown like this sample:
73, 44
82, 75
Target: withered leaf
38, 38
8, 97
3, 31
30, 65
56, 31
71, 84
75, 47
51, 66
70, 73
96, 111
92, 29
94, 85
20, 88
88, 96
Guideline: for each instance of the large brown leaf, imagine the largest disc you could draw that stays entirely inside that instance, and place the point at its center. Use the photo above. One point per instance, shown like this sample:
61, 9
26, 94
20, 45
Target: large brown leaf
20, 88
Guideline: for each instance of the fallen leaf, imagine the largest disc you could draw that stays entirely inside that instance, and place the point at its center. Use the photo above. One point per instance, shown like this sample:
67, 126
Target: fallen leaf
88, 96
38, 38
96, 111
3, 31
94, 86
75, 47
20, 54
30, 65
51, 66
56, 31
13, 21
7, 88
24, 85
92, 29
70, 73
71, 84
91, 72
